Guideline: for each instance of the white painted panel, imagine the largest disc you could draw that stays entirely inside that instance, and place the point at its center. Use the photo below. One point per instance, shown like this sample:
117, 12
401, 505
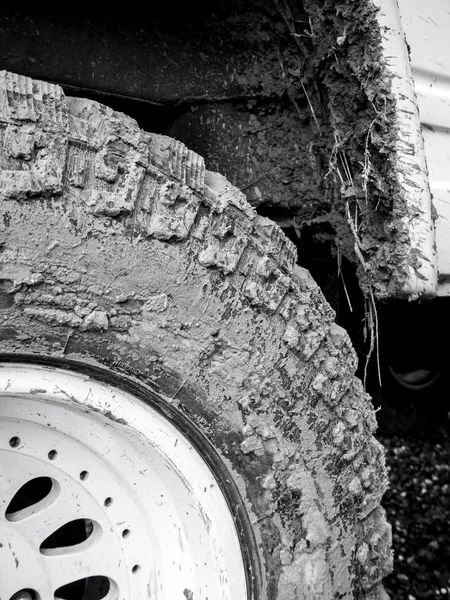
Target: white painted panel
427, 29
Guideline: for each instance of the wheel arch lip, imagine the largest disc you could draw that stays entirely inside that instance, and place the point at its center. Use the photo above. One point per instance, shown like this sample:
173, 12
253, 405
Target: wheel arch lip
251, 555
418, 279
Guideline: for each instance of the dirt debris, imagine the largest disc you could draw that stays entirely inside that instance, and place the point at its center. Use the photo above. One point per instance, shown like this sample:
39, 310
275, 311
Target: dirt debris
417, 504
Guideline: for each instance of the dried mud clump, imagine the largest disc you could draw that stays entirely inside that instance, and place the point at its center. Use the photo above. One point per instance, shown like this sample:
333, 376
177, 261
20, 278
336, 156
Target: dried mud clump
346, 66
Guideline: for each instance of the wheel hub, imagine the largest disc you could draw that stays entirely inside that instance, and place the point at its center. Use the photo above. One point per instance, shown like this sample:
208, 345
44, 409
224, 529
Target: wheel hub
102, 498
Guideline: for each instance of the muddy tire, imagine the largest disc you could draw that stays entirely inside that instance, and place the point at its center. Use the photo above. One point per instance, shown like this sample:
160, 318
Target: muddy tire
123, 258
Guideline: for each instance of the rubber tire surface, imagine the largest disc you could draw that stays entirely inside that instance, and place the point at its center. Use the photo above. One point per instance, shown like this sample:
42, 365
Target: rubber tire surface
118, 248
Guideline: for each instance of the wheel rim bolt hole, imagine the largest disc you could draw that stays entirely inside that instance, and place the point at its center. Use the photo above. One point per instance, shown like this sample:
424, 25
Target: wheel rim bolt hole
84, 475
52, 454
14, 441
108, 502
136, 569
126, 533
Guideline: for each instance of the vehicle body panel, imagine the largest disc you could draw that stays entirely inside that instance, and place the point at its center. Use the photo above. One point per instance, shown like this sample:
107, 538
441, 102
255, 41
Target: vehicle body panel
426, 26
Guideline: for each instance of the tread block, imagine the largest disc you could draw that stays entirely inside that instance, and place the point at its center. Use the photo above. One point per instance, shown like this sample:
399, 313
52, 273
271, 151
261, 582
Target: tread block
222, 195
167, 209
309, 321
277, 245
107, 158
33, 137
374, 556
225, 243
365, 477
25, 99
175, 160
264, 283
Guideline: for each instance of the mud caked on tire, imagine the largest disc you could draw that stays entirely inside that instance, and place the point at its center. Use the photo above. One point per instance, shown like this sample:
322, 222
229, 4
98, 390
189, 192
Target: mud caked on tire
121, 254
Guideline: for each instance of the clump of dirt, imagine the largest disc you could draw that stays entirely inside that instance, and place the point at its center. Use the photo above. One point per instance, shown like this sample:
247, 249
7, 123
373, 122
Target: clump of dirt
346, 64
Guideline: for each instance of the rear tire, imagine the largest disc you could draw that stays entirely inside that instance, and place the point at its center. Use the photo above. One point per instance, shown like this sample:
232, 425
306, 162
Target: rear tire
120, 251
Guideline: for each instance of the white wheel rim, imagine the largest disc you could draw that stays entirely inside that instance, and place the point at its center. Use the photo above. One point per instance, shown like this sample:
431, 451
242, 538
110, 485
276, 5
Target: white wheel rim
158, 525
